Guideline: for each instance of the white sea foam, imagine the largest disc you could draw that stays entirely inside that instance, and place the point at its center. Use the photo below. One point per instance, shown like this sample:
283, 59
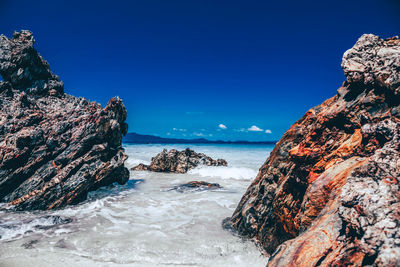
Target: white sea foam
16, 229
143, 223
131, 162
238, 173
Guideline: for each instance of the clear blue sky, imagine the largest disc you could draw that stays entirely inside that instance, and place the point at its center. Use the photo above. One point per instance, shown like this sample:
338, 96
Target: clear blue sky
185, 67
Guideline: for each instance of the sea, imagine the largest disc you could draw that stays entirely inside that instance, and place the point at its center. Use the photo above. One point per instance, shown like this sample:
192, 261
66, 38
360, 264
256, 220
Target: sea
144, 223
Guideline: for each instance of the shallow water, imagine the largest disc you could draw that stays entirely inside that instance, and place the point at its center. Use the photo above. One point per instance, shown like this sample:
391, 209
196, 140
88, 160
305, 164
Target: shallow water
142, 223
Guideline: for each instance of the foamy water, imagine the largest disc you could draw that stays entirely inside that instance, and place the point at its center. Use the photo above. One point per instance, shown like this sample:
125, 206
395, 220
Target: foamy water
143, 223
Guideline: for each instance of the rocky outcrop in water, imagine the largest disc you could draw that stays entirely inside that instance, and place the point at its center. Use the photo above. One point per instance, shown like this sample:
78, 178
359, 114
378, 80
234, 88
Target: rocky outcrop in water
196, 186
328, 195
54, 147
179, 161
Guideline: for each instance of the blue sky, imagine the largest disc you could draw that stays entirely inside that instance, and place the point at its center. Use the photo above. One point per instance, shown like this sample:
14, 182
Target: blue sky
194, 68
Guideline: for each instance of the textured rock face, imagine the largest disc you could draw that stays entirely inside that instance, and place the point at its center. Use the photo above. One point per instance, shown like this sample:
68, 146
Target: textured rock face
179, 161
54, 147
373, 62
328, 195
23, 67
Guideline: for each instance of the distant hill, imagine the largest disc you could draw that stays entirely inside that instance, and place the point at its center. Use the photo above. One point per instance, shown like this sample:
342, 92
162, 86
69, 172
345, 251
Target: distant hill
135, 138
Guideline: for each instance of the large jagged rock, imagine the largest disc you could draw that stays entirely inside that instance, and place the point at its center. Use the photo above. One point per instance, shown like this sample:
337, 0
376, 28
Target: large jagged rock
54, 147
328, 195
178, 161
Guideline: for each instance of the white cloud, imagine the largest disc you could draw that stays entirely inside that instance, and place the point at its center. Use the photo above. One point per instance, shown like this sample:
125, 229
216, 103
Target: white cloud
180, 130
168, 133
198, 134
268, 131
255, 129
222, 126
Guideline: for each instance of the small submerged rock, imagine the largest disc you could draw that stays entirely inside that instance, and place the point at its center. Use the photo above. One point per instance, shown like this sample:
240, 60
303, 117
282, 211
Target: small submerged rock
178, 161
196, 186
62, 243
30, 244
141, 167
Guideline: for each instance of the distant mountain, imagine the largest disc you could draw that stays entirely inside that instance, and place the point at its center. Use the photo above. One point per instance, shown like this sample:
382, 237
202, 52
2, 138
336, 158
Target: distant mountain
135, 138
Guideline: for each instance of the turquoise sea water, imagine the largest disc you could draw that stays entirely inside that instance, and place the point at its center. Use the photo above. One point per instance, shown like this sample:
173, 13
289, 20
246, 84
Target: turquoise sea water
143, 223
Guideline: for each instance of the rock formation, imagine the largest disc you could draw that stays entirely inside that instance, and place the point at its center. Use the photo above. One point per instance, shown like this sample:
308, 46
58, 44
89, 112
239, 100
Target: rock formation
196, 186
54, 147
179, 161
328, 195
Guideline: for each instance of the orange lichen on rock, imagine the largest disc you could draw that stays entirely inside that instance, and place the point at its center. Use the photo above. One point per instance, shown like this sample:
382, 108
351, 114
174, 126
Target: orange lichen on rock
348, 147
327, 187
328, 195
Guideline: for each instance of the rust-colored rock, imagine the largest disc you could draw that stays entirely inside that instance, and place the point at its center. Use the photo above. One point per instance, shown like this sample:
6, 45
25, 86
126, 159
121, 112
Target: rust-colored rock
328, 195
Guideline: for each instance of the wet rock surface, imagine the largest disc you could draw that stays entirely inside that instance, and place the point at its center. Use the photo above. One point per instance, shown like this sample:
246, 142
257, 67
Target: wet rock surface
328, 195
196, 186
54, 147
178, 161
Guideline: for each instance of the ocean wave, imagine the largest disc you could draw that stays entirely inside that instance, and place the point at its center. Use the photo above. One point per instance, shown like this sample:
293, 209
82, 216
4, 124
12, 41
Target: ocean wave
238, 173
132, 162
13, 229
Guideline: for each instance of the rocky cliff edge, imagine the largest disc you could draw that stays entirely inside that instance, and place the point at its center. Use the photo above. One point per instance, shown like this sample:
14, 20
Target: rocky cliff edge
328, 195
54, 147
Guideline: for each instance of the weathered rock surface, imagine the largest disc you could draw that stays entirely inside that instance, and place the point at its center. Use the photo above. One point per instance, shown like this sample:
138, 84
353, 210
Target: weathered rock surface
54, 147
328, 195
196, 186
178, 161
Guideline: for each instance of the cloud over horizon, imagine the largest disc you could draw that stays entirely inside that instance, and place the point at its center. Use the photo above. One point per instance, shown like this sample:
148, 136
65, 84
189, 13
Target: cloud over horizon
180, 130
222, 132
222, 126
201, 134
255, 129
